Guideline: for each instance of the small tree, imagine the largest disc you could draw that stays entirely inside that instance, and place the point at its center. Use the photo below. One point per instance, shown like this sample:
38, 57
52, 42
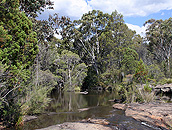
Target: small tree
130, 59
141, 73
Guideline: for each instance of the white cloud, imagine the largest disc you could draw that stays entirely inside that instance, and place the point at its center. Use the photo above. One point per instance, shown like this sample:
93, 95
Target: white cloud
162, 13
71, 8
138, 29
131, 7
76, 8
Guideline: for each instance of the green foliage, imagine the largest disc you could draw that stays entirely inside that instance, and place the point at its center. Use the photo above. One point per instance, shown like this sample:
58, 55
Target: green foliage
9, 111
133, 93
98, 50
141, 72
129, 62
18, 49
154, 72
146, 95
160, 41
73, 72
147, 88
91, 80
36, 100
77, 89
111, 77
36, 91
128, 79
165, 81
32, 7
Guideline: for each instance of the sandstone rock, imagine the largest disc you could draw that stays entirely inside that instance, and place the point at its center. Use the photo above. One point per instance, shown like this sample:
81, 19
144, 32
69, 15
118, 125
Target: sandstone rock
77, 126
120, 106
168, 120
155, 114
97, 121
166, 88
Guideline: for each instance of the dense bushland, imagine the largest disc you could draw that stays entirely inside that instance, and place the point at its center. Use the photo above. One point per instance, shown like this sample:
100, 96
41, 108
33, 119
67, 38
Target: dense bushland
98, 50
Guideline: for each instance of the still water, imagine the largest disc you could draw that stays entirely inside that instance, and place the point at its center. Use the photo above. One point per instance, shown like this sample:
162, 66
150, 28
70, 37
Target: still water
71, 107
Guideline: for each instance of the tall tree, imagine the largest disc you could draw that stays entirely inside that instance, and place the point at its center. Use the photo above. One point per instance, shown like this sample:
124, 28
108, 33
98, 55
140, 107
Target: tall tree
159, 37
18, 49
91, 26
70, 69
32, 7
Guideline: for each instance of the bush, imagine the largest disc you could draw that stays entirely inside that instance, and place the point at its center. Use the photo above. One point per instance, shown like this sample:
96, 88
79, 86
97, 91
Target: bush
133, 93
147, 88
154, 72
35, 98
165, 81
141, 73
36, 101
147, 96
77, 89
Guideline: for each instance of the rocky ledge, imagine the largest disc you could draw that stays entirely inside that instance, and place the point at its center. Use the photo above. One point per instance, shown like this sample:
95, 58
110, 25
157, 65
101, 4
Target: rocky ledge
166, 88
154, 114
90, 124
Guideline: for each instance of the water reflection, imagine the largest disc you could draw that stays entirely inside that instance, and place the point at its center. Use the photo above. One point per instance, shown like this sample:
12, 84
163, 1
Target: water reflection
64, 108
68, 101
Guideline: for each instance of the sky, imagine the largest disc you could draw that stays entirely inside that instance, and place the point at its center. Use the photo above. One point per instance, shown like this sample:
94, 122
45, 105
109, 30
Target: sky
135, 12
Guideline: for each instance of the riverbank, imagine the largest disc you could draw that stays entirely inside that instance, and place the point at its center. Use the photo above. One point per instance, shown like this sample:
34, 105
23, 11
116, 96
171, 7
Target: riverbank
91, 106
155, 114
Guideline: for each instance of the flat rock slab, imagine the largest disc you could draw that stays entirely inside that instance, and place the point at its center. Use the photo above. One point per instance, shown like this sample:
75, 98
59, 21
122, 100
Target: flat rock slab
96, 121
120, 106
155, 114
28, 118
77, 126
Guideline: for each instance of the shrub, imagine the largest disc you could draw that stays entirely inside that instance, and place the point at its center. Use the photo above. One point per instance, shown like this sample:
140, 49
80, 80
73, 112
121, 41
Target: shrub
165, 81
154, 72
133, 93
36, 101
147, 96
36, 92
147, 88
141, 73
77, 89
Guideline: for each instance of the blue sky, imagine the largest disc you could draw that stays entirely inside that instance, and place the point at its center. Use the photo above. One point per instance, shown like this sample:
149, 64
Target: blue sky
139, 20
135, 12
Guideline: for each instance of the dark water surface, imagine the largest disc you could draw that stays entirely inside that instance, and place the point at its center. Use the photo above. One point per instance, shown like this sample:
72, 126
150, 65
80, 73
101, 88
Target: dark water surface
65, 108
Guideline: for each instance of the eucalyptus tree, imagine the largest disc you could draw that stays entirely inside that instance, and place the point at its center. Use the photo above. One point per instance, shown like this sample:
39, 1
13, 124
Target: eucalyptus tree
91, 26
98, 38
116, 41
159, 35
70, 69
113, 42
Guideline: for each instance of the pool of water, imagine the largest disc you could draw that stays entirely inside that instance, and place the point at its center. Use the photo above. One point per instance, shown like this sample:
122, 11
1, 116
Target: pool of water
71, 107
